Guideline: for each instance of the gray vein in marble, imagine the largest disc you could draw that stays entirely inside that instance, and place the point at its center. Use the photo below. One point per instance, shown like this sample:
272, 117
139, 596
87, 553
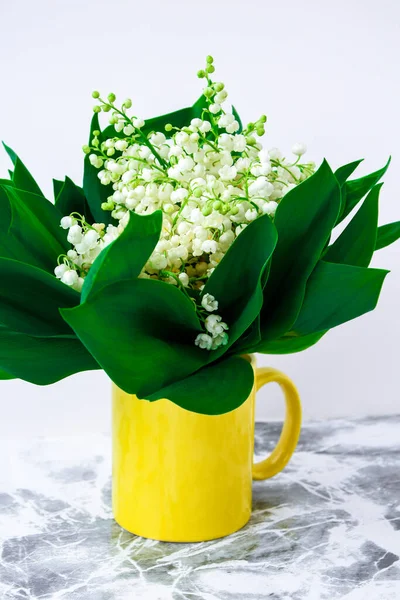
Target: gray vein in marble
327, 528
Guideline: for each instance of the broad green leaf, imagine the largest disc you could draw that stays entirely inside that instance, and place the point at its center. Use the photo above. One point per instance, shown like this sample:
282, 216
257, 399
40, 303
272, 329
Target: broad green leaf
72, 199
4, 375
57, 187
42, 360
21, 177
289, 344
125, 257
248, 340
387, 234
355, 189
356, 244
30, 299
336, 294
30, 229
237, 281
343, 173
94, 191
214, 390
304, 220
141, 332
179, 118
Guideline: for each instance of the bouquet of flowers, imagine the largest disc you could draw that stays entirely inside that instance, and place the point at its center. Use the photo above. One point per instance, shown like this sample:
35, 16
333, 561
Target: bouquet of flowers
188, 246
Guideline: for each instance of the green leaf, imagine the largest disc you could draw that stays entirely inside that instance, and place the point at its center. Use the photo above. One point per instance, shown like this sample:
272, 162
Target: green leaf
289, 344
141, 332
21, 177
214, 390
57, 187
356, 244
72, 199
238, 119
336, 294
4, 375
237, 281
387, 234
7, 182
30, 229
355, 189
42, 360
30, 299
179, 118
125, 257
94, 191
304, 220
250, 339
343, 173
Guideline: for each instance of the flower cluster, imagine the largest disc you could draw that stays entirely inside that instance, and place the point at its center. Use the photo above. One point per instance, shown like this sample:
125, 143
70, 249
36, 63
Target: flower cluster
216, 329
88, 241
209, 178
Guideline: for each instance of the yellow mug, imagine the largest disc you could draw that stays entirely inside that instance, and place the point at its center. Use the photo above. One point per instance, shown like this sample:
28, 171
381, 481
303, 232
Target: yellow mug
183, 477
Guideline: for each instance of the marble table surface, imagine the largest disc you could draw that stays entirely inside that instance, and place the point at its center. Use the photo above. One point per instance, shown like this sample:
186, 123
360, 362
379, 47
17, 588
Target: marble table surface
328, 527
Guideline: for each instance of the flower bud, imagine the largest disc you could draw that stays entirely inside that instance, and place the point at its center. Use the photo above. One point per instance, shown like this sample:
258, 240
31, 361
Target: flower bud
215, 108
201, 74
204, 341
121, 145
209, 59
128, 103
67, 222
79, 284
60, 270
184, 279
111, 98
96, 109
299, 149
107, 205
168, 127
86, 149
70, 277
95, 94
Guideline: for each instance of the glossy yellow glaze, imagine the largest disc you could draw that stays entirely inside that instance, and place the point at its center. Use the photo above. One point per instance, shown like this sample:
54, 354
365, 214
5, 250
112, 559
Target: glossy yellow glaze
183, 477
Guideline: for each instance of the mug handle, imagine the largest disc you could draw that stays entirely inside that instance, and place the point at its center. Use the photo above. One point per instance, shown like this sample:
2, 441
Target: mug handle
289, 437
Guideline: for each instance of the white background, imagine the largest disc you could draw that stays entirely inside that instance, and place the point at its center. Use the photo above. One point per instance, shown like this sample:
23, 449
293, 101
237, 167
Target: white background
326, 73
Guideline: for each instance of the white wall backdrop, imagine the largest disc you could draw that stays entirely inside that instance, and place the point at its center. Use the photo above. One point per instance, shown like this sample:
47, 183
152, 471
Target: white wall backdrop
326, 73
